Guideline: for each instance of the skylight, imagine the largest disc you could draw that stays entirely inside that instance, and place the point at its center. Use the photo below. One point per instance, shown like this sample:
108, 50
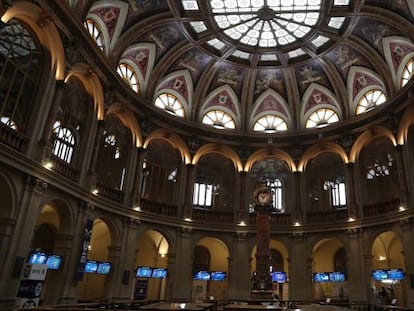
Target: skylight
266, 23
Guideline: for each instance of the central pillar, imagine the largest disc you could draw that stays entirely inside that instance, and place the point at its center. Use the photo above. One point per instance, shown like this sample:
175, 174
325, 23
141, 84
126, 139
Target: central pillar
262, 285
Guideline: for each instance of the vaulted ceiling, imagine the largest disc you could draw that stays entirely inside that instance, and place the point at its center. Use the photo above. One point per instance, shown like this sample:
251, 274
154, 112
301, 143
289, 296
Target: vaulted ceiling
255, 58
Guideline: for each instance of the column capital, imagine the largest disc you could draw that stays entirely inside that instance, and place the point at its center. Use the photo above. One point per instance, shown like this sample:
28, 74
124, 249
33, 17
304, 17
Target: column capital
37, 185
354, 232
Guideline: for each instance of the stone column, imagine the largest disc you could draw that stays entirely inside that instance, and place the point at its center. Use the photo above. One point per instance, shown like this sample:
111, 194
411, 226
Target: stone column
123, 281
113, 280
138, 179
129, 179
69, 292
350, 191
359, 268
180, 267
298, 215
45, 143
239, 268
20, 241
95, 154
56, 279
407, 230
188, 205
300, 270
243, 212
181, 188
401, 176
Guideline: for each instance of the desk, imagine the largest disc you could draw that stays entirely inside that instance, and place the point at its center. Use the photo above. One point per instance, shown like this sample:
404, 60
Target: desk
238, 307
177, 306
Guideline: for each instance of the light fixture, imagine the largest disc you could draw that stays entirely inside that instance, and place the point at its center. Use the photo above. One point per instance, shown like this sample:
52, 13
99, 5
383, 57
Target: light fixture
95, 191
188, 219
381, 258
401, 209
48, 165
297, 224
242, 223
137, 208
218, 125
170, 110
351, 219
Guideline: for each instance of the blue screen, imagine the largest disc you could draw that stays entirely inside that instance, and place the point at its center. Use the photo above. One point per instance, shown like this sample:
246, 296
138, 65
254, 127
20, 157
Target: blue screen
202, 276
144, 272
217, 276
53, 262
279, 277
336, 276
379, 275
91, 266
104, 268
159, 273
395, 274
321, 277
37, 258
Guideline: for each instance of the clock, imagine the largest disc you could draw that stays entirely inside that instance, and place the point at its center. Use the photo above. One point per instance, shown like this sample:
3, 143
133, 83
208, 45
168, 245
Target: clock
263, 196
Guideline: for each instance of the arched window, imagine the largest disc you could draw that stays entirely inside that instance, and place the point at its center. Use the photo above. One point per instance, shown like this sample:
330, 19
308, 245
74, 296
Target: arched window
407, 72
170, 104
110, 142
322, 118
64, 143
276, 186
8, 122
370, 100
380, 168
270, 124
20, 70
203, 195
337, 192
219, 119
95, 33
129, 75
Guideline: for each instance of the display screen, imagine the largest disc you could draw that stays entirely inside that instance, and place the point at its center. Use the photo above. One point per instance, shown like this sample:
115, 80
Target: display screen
144, 272
104, 267
217, 276
202, 276
53, 262
379, 275
91, 266
278, 276
395, 274
337, 277
37, 258
159, 273
321, 277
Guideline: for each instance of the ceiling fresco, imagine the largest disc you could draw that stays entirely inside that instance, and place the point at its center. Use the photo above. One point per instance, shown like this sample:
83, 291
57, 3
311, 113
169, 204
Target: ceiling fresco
252, 58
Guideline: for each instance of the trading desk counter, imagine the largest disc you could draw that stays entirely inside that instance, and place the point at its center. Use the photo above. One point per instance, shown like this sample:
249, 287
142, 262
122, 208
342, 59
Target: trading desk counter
177, 306
238, 307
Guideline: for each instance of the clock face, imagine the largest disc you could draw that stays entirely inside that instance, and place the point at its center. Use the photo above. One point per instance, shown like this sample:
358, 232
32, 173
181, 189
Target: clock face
263, 197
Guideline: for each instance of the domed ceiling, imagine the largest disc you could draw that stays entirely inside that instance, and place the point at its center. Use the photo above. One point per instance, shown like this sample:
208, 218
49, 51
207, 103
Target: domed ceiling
271, 66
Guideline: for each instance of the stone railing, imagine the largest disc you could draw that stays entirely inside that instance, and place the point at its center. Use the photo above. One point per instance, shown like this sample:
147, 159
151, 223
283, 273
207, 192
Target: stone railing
327, 216
11, 138
381, 208
110, 193
64, 168
158, 208
213, 216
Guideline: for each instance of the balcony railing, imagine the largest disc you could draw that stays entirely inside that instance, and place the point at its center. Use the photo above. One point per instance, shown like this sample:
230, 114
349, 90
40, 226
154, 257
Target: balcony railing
64, 168
213, 216
11, 138
381, 208
110, 193
159, 208
327, 216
